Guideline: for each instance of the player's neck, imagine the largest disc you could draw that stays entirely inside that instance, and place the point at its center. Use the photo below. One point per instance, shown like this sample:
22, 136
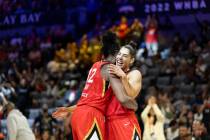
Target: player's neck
127, 70
110, 59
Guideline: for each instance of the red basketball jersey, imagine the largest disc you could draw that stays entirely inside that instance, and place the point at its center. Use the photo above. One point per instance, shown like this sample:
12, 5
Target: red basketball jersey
121, 119
93, 93
115, 108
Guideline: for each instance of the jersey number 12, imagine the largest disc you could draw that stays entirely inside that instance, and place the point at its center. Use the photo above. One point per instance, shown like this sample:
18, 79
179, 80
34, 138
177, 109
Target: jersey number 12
91, 74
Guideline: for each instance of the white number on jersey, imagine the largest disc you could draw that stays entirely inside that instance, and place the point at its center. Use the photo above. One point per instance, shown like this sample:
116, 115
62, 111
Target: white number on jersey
91, 74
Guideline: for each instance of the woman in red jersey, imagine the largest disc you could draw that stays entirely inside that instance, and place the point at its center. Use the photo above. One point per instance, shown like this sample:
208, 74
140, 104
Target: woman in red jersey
122, 123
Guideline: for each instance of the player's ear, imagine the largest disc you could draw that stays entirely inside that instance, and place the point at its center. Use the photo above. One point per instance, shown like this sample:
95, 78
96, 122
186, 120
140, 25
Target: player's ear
132, 61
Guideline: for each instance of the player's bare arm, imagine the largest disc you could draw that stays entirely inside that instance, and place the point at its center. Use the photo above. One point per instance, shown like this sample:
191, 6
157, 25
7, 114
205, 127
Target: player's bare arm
62, 112
131, 82
118, 89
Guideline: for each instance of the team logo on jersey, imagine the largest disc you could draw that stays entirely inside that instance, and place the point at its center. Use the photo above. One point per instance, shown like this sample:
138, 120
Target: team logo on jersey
136, 135
94, 133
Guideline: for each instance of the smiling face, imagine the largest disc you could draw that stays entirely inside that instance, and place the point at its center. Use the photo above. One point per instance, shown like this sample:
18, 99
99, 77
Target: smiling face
124, 59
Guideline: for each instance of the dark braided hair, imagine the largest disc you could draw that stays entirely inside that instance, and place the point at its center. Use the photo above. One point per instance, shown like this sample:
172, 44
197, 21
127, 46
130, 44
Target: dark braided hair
110, 44
132, 48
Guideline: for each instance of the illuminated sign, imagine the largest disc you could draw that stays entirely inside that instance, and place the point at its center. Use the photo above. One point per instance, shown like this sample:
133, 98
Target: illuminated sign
176, 6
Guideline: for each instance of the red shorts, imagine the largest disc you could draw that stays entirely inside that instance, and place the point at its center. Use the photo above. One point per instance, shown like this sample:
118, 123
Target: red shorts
124, 127
87, 123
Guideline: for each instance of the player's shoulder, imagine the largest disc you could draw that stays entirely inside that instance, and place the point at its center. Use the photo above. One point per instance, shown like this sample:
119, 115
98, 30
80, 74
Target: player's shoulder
104, 67
135, 73
96, 63
104, 71
104, 64
100, 63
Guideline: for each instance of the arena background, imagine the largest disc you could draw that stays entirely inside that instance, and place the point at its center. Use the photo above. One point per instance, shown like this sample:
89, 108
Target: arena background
47, 46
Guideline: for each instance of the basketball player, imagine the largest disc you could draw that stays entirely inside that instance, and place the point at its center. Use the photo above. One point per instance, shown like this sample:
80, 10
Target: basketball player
87, 120
122, 123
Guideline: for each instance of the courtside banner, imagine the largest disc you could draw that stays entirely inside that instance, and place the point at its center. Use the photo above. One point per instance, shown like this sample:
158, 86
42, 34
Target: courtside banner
32, 18
175, 7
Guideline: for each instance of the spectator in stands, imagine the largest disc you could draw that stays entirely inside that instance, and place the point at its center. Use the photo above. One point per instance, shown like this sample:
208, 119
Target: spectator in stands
17, 124
94, 49
22, 91
46, 135
152, 36
184, 132
123, 29
176, 45
3, 52
35, 57
2, 101
206, 113
2, 136
72, 93
52, 88
199, 131
136, 31
83, 50
172, 131
44, 122
166, 107
153, 121
72, 50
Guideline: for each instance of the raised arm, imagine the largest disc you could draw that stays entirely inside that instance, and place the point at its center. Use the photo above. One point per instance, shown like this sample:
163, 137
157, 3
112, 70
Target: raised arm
118, 89
158, 113
145, 113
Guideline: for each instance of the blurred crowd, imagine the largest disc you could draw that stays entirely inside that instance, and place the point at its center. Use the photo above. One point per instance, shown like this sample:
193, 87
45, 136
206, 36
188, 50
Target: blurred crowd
18, 6
42, 72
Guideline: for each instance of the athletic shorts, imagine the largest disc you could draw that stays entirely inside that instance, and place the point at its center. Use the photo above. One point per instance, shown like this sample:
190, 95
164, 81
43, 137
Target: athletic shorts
123, 127
87, 123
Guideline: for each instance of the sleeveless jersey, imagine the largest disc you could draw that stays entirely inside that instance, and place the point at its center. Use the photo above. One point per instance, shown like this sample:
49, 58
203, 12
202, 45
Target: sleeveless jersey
115, 108
93, 93
121, 119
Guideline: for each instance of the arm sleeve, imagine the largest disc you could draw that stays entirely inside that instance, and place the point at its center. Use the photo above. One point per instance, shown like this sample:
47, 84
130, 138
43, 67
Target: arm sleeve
12, 128
145, 112
158, 113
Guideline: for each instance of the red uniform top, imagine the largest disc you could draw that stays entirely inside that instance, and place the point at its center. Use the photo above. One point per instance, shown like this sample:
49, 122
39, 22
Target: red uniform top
121, 119
151, 36
93, 93
115, 108
122, 30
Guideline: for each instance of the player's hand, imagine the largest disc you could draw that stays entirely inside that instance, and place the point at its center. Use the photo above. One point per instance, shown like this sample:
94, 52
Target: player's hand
60, 113
113, 69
